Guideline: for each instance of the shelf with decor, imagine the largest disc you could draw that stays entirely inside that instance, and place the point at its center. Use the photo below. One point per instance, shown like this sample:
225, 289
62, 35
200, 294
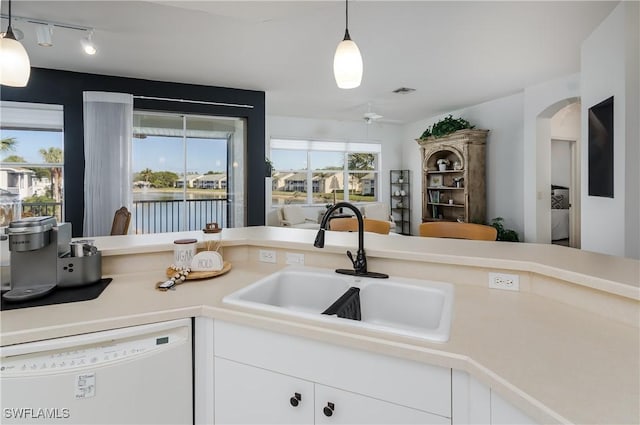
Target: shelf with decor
400, 200
453, 176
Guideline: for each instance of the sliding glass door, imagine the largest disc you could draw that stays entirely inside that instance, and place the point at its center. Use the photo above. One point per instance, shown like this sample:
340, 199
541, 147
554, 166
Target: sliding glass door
187, 171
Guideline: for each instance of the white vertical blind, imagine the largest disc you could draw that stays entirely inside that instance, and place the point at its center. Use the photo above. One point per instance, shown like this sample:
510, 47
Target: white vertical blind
108, 128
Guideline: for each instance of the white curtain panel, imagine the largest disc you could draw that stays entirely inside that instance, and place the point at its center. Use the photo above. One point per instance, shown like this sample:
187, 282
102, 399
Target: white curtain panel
108, 128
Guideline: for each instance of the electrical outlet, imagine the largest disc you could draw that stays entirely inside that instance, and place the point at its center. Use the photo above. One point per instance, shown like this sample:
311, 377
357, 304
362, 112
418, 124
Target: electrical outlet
267, 256
509, 282
293, 258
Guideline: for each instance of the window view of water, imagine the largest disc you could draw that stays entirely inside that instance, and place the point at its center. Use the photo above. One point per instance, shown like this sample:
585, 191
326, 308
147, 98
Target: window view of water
179, 173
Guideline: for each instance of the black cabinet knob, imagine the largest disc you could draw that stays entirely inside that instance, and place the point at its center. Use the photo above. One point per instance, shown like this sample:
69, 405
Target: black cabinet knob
328, 409
295, 400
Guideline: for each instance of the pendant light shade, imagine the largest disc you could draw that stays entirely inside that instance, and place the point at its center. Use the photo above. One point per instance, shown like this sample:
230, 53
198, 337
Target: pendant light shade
15, 67
347, 65
347, 62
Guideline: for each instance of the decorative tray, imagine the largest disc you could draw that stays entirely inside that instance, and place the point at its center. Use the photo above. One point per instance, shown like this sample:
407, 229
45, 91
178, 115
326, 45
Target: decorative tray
203, 275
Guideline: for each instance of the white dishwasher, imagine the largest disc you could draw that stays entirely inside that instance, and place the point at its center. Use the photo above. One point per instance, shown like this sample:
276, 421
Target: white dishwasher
136, 375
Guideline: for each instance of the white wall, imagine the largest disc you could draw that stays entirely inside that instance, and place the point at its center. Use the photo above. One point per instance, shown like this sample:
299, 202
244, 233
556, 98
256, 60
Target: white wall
504, 162
560, 161
609, 64
388, 135
565, 125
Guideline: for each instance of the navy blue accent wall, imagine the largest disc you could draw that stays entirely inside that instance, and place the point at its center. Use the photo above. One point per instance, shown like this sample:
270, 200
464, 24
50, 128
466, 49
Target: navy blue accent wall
65, 88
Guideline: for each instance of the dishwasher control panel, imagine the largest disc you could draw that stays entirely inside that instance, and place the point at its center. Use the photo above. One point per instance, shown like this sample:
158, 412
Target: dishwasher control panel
94, 355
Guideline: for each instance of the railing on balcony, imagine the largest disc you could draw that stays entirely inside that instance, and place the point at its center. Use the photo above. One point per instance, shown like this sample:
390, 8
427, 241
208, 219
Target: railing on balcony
34, 209
154, 216
168, 216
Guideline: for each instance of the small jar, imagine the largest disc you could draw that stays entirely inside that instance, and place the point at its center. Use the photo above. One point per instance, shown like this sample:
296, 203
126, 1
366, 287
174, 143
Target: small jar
213, 236
183, 252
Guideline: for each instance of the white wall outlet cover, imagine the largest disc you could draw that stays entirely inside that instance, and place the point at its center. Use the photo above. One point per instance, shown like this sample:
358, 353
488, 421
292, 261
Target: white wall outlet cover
207, 261
295, 258
509, 282
267, 256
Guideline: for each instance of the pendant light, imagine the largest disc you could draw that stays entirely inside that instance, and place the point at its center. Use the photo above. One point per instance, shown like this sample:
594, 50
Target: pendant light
347, 62
14, 61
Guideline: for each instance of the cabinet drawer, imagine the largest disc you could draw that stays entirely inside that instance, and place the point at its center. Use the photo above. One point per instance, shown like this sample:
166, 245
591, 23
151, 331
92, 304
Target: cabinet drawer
334, 406
249, 395
399, 381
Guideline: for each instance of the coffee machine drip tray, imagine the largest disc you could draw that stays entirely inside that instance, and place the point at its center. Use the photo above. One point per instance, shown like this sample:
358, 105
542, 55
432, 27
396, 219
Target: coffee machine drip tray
28, 293
57, 295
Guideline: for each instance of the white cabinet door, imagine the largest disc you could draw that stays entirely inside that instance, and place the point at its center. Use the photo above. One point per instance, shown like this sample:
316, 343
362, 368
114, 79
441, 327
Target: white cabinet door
250, 395
334, 406
471, 400
504, 413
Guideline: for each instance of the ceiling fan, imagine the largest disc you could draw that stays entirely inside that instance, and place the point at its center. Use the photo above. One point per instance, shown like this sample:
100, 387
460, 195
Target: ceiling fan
371, 116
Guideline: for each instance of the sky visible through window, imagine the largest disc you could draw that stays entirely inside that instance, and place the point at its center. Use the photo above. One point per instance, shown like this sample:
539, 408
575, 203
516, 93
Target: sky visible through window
167, 154
154, 152
29, 143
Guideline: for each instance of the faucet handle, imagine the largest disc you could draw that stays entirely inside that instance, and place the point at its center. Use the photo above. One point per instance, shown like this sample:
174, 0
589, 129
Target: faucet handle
353, 261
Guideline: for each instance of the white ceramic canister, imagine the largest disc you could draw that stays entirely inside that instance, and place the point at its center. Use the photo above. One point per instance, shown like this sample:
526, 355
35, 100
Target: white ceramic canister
183, 252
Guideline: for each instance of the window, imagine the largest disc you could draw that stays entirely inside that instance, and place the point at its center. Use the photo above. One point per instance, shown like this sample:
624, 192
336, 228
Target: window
317, 172
32, 157
181, 173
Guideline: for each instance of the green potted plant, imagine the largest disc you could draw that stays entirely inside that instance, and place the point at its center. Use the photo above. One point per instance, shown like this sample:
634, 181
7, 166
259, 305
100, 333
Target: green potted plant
504, 234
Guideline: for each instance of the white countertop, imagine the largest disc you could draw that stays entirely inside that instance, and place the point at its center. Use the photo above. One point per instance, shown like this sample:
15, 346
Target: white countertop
556, 362
617, 275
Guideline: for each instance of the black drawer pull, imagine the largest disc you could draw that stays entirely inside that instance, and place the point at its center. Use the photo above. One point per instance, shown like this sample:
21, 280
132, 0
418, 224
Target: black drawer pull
328, 409
295, 400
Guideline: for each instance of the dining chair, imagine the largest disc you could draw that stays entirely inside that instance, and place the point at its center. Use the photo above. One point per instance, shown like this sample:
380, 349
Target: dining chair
121, 221
351, 225
455, 230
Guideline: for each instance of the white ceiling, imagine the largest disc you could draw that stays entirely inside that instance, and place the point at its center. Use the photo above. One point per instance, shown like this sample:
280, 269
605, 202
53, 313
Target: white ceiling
453, 53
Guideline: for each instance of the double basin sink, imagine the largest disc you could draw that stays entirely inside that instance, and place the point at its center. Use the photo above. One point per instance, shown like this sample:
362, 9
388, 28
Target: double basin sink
408, 307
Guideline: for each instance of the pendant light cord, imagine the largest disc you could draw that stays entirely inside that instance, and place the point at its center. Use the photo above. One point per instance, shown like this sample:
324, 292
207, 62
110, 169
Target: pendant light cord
346, 14
346, 21
9, 33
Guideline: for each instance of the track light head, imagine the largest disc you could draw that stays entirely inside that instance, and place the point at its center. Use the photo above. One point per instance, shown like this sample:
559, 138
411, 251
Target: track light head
87, 44
43, 34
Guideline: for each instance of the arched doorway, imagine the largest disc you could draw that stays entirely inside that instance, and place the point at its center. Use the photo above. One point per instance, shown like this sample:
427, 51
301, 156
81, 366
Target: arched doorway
558, 173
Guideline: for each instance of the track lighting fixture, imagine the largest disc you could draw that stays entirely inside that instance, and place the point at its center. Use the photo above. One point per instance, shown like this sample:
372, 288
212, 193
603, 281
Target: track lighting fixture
43, 34
347, 62
87, 44
15, 67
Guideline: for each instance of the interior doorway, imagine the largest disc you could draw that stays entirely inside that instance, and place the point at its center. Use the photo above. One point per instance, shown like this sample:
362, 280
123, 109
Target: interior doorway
563, 189
565, 176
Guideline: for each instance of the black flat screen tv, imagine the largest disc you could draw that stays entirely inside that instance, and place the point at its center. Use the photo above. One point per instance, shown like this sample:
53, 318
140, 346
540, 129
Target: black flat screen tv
601, 149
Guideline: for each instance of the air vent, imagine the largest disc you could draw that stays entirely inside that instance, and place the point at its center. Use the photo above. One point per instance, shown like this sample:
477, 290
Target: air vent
404, 90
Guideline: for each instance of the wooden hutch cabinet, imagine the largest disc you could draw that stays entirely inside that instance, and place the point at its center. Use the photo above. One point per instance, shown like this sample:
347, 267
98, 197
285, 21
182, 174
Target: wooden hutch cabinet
453, 177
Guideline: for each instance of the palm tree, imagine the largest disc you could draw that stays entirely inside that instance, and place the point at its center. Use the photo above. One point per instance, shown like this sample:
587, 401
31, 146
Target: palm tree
54, 156
146, 174
8, 144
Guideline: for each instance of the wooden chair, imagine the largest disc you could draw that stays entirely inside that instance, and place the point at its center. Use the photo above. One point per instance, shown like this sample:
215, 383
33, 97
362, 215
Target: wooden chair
351, 225
452, 229
121, 221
